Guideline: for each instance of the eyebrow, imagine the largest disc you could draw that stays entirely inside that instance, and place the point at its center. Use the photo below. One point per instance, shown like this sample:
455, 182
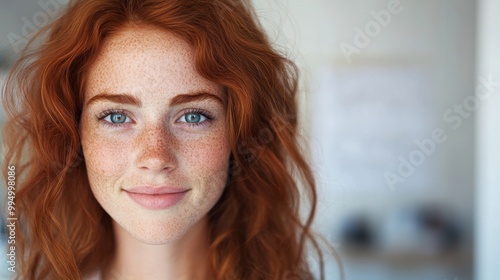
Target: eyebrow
117, 98
195, 96
123, 98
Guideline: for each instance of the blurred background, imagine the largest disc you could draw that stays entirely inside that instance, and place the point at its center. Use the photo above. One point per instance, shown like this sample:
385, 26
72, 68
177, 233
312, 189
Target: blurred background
400, 102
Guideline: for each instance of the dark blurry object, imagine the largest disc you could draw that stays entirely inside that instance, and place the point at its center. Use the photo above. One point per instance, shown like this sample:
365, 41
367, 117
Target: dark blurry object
423, 230
439, 226
357, 233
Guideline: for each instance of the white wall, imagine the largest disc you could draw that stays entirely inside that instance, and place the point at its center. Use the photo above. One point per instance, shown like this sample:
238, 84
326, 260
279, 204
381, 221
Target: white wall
488, 146
438, 36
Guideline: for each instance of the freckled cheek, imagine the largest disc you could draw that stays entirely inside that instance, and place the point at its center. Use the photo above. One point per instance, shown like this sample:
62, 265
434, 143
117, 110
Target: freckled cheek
105, 158
208, 157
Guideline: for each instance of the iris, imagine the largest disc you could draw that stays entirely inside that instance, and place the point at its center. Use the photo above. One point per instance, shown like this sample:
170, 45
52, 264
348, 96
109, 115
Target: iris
118, 118
193, 118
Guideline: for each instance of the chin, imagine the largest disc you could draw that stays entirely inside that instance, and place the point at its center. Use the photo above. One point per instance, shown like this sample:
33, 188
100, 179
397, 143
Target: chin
155, 231
157, 234
157, 239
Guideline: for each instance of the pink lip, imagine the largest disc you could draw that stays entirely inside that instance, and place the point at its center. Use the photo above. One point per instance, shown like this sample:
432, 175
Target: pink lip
156, 198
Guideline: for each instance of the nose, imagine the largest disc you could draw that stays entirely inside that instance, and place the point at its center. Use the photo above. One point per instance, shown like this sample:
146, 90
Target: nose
156, 149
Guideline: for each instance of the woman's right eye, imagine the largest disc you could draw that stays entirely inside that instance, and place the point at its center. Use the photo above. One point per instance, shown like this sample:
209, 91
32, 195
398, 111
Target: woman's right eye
117, 118
114, 118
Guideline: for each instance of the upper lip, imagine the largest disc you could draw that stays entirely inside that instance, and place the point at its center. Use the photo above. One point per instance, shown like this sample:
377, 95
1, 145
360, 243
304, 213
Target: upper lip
156, 190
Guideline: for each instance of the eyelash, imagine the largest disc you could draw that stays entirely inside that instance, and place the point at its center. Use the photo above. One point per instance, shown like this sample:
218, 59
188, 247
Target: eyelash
106, 113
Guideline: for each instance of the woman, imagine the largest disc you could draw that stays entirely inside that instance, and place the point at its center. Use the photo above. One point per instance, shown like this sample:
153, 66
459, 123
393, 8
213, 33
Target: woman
157, 140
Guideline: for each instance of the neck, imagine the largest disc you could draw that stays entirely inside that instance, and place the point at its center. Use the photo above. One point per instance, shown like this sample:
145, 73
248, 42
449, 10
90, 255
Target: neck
183, 259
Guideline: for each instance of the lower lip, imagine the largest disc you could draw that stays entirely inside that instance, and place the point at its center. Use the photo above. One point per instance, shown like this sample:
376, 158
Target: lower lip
156, 201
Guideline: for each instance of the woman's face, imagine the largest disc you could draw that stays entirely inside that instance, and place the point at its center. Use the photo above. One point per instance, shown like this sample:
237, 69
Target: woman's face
154, 135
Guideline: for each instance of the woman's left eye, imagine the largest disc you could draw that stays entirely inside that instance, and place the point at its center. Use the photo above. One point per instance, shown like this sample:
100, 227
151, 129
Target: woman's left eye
193, 118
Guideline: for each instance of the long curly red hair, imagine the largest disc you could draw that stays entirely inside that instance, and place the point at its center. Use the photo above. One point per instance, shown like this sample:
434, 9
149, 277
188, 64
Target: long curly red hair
256, 230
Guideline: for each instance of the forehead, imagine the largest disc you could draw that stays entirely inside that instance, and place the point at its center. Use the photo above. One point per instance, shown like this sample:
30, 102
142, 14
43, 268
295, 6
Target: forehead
146, 40
146, 59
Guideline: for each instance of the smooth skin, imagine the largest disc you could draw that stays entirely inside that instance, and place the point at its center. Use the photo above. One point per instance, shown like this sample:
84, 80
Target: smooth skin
150, 119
